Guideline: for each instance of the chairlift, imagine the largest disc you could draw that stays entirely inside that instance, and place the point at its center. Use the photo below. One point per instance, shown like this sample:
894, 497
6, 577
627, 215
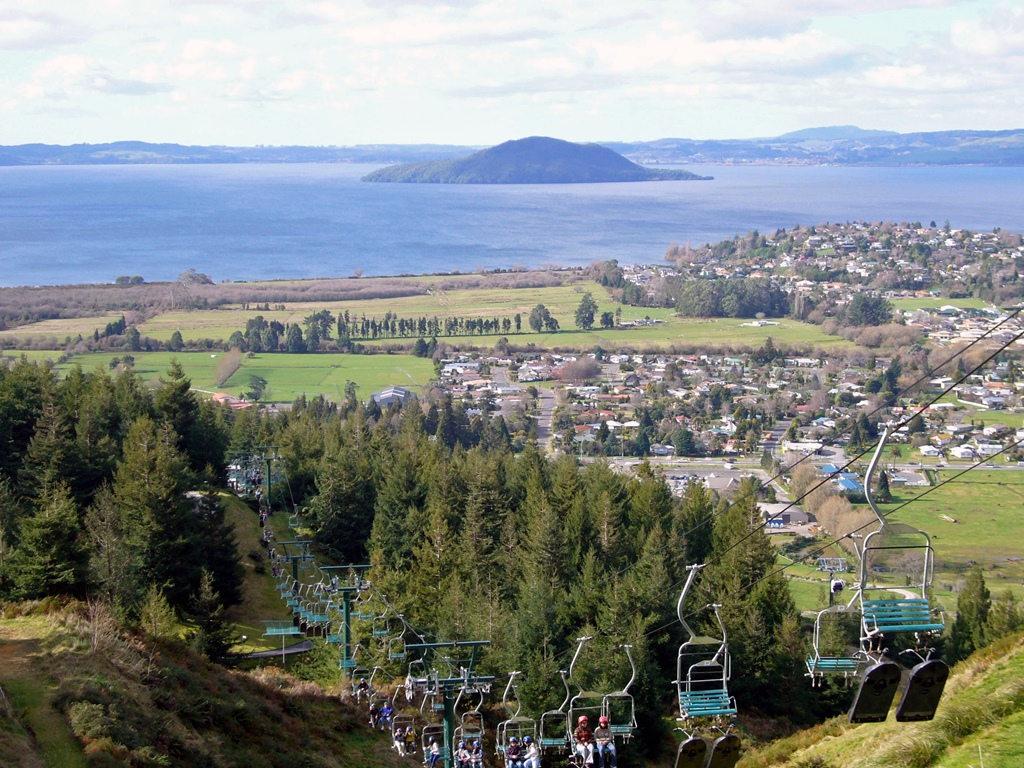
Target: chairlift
417, 680
554, 723
515, 724
584, 703
435, 731
900, 615
399, 722
908, 614
396, 643
619, 707
703, 667
819, 663
471, 722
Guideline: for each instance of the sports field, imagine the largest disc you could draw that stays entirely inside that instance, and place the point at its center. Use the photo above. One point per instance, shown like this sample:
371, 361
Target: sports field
288, 376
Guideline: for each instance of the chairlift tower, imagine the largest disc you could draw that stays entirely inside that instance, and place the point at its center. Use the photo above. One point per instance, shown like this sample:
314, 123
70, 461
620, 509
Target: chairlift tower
263, 457
832, 566
448, 688
348, 661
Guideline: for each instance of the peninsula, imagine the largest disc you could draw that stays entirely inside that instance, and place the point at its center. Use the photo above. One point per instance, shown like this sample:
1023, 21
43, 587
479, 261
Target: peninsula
534, 160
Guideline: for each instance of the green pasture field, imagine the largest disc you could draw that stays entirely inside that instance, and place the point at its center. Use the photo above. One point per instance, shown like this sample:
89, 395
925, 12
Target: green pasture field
33, 355
60, 329
288, 376
906, 305
561, 301
1012, 419
990, 530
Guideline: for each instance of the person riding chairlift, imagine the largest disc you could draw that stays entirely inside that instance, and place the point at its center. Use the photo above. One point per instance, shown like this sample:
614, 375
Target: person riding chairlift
532, 753
513, 754
605, 741
584, 738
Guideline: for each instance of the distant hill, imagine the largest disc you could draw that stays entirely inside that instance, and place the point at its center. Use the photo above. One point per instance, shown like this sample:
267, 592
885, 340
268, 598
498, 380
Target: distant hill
835, 133
838, 145
144, 153
831, 145
535, 160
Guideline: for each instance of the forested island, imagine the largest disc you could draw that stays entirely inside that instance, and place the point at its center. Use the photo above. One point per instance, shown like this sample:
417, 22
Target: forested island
534, 160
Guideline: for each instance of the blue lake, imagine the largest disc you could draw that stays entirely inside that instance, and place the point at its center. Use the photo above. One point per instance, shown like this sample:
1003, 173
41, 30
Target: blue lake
66, 224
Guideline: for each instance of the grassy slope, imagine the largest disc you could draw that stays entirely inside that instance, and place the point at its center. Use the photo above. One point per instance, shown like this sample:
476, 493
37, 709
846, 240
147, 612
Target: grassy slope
141, 701
36, 735
983, 705
260, 598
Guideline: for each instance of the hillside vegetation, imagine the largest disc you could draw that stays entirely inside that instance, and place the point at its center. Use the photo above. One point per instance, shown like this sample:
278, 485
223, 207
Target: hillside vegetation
980, 722
83, 691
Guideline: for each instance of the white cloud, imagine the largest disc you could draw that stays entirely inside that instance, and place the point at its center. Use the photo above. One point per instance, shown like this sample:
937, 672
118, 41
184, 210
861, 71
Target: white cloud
27, 30
586, 67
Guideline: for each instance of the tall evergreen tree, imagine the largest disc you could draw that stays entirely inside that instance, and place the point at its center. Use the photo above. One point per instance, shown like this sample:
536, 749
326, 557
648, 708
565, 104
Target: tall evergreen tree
50, 459
50, 558
972, 609
150, 486
176, 406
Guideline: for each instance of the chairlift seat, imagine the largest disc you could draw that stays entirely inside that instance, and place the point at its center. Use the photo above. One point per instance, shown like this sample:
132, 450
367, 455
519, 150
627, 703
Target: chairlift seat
706, 703
846, 665
903, 615
347, 663
333, 639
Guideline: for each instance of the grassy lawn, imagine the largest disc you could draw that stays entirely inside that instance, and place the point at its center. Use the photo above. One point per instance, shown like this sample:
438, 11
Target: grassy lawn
989, 531
809, 595
288, 376
1009, 418
905, 305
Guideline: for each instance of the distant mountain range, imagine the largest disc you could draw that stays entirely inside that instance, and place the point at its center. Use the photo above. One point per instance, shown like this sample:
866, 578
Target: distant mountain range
534, 160
838, 145
835, 145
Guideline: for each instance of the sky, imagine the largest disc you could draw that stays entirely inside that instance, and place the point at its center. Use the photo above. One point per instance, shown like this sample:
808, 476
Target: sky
477, 72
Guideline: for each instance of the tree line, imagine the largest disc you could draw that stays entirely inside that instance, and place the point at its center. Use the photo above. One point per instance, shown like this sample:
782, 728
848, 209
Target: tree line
108, 489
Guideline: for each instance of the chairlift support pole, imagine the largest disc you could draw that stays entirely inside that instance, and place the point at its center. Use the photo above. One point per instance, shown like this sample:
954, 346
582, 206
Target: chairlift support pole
303, 557
346, 612
448, 685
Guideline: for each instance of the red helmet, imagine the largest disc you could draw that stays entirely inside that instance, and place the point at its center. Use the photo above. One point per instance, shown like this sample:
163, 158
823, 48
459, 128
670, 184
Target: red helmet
602, 720
582, 720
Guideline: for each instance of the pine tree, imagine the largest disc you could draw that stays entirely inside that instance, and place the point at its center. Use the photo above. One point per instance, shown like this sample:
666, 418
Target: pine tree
115, 551
216, 546
176, 406
972, 609
50, 459
149, 487
50, 559
22, 389
1005, 617
211, 633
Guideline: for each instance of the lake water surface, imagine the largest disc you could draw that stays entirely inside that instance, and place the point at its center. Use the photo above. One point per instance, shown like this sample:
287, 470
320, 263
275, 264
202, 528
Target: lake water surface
65, 224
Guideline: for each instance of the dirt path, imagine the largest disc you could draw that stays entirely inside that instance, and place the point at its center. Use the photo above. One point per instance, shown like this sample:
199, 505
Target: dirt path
43, 738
